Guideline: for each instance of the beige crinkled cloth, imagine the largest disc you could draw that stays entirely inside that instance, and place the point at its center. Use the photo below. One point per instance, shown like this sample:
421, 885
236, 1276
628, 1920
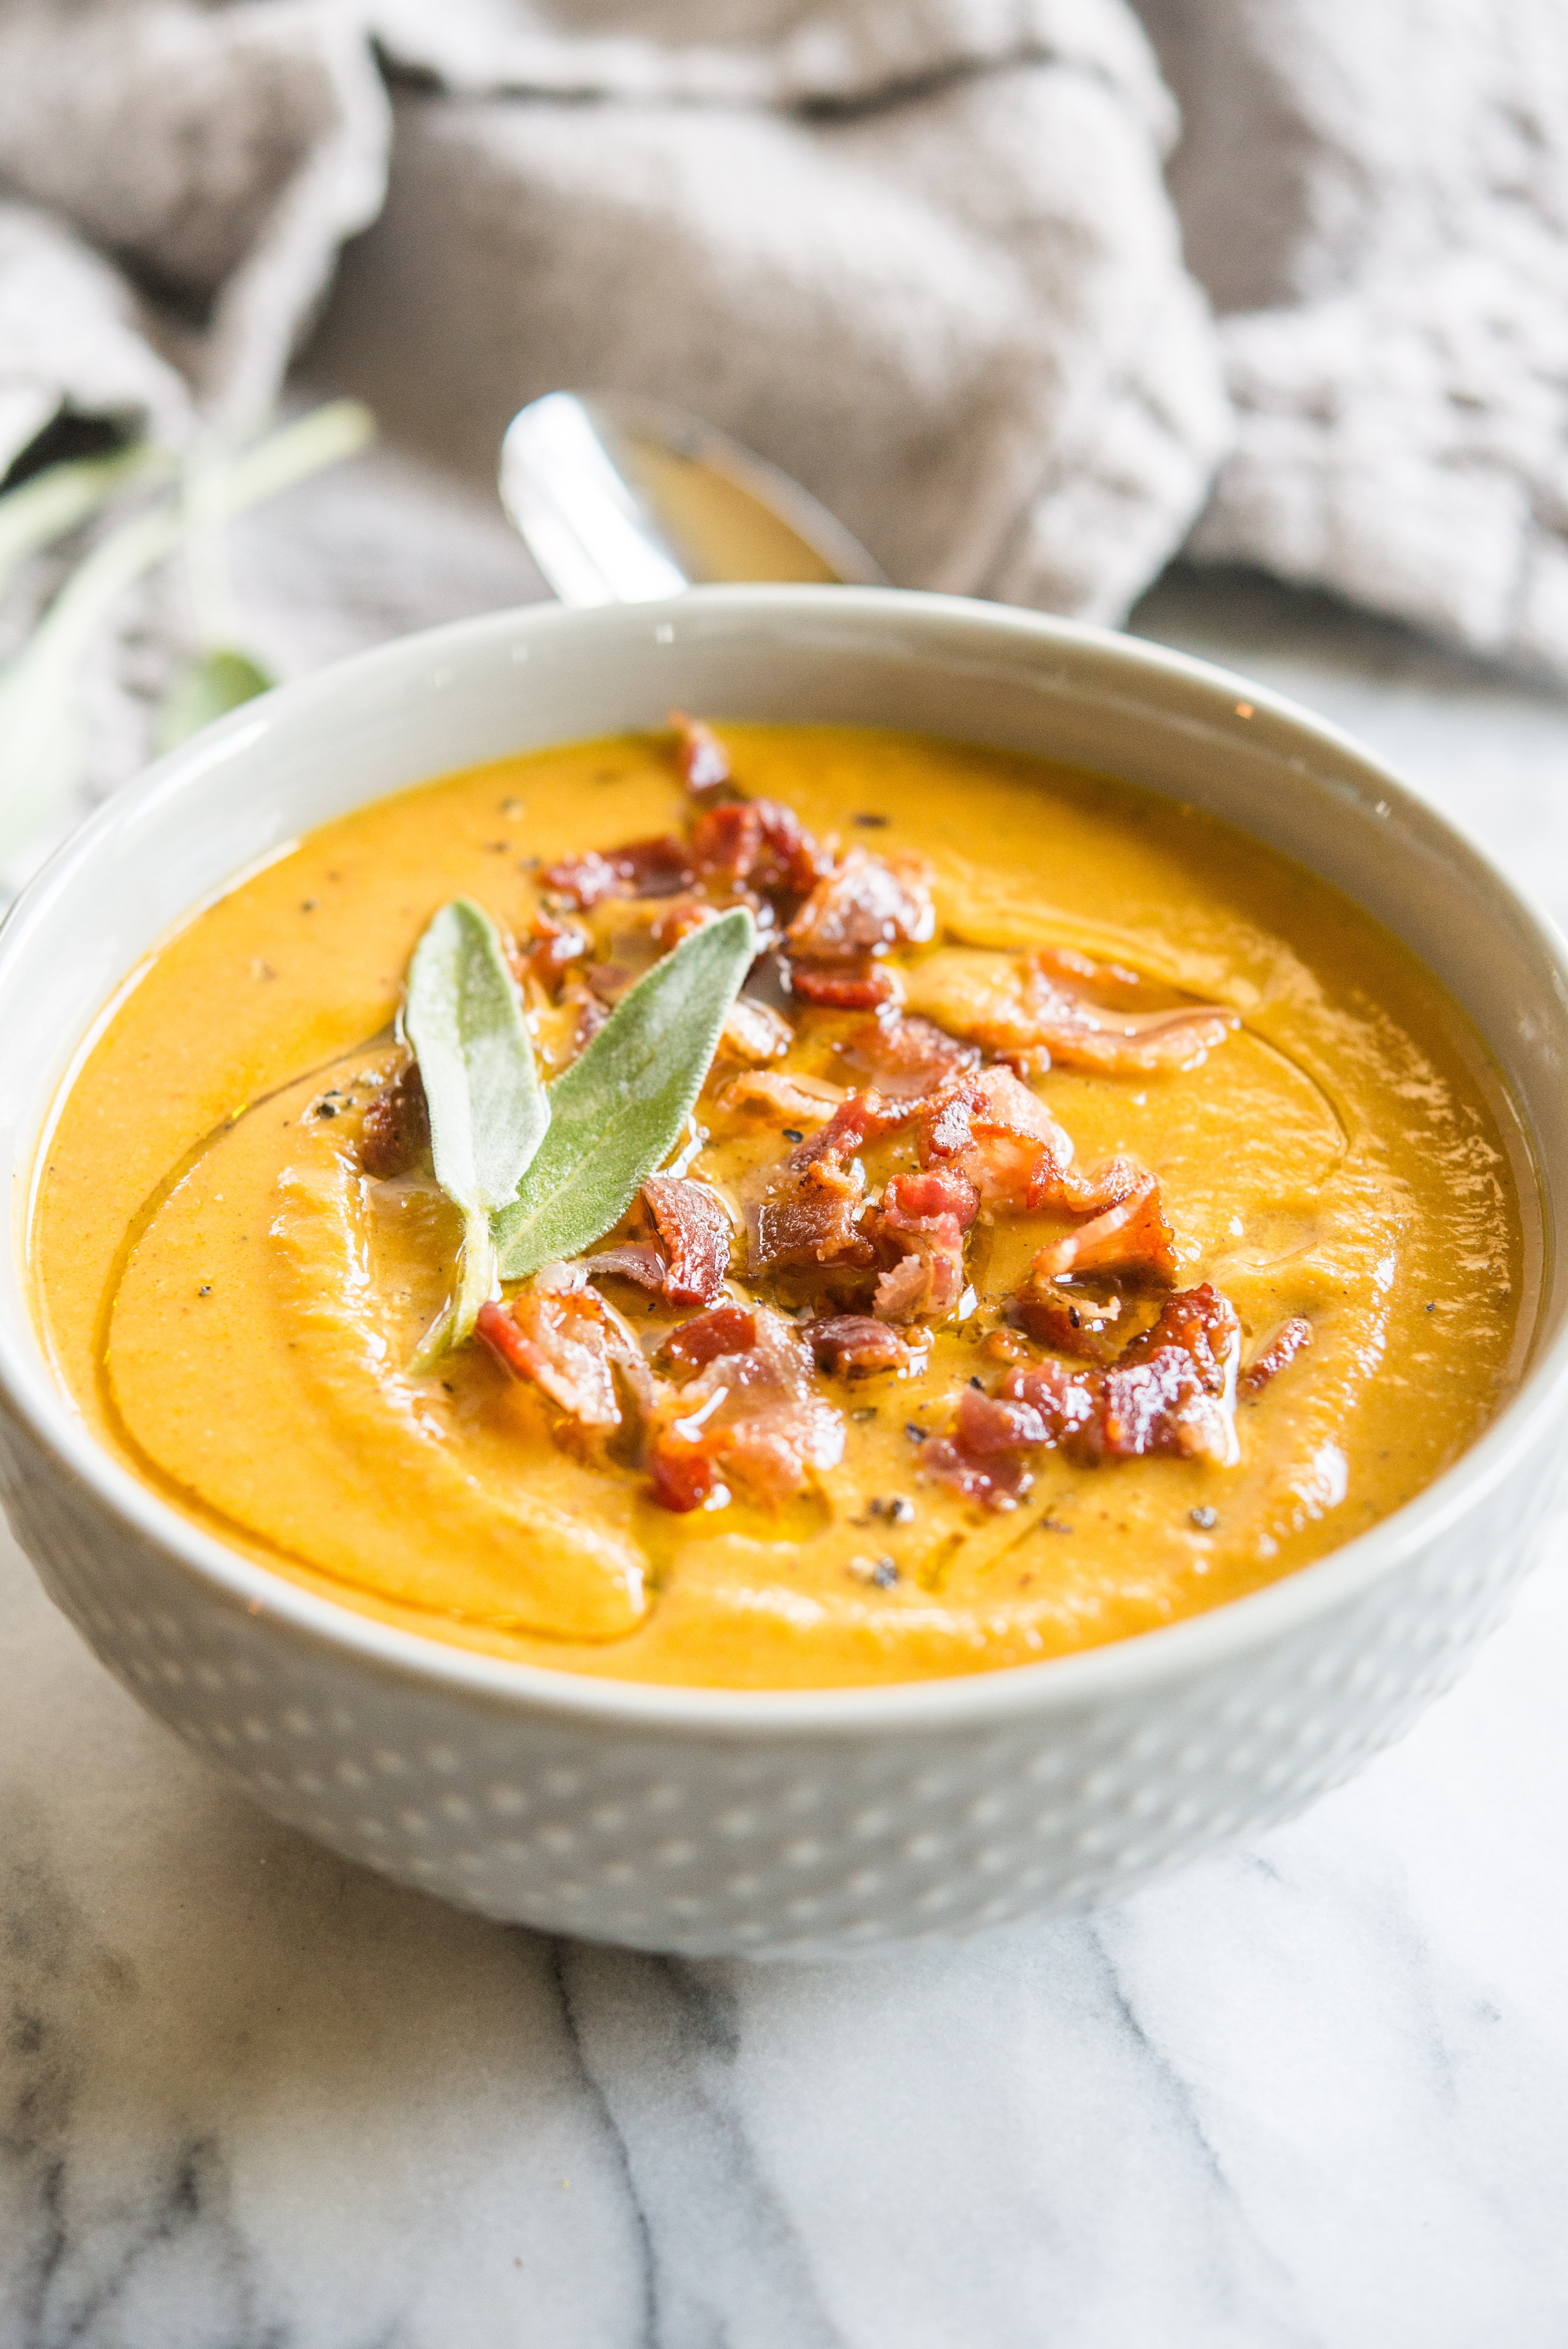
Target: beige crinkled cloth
926, 254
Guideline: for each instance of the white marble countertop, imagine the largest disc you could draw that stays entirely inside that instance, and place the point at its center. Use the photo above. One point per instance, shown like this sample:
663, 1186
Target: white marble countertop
1313, 2093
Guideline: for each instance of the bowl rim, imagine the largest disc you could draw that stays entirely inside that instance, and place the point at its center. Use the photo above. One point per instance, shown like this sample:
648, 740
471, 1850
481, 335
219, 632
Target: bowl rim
32, 1393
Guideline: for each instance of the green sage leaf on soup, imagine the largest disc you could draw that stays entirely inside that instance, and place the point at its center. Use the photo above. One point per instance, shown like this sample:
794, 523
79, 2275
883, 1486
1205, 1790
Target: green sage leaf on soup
616, 1114
207, 690
489, 1113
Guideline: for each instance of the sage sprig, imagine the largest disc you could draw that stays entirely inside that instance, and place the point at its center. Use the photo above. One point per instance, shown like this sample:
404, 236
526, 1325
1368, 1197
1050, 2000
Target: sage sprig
617, 1111
464, 1018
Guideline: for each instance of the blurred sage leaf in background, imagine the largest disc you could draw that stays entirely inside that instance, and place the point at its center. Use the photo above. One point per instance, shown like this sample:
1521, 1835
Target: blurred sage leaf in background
213, 684
43, 741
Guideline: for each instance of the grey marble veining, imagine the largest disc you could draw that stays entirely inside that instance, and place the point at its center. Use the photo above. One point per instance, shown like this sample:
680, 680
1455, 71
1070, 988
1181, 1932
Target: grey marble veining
1314, 2094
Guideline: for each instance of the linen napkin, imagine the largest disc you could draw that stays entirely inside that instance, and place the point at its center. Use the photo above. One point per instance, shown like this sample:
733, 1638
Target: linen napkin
926, 254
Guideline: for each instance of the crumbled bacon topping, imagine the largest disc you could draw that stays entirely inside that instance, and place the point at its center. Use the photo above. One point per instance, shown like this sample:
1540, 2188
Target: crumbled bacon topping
853, 1344
842, 987
1056, 1005
1129, 1235
803, 1101
905, 1059
1072, 1322
757, 847
702, 759
1002, 1136
396, 1131
694, 1231
686, 1261
865, 906
751, 1417
1169, 1393
559, 1338
551, 947
924, 1218
643, 868
809, 1214
1281, 1350
728, 1329
754, 1032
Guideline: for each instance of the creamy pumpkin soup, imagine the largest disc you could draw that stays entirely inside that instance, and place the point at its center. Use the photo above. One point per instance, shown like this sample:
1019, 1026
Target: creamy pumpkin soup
799, 1207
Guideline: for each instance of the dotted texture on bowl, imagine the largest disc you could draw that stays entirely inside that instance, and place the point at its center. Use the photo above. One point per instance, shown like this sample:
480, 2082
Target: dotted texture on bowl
773, 1845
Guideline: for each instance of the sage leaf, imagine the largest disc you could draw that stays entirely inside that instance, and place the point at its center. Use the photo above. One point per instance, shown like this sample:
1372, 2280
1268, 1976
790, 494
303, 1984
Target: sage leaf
215, 683
489, 1113
617, 1111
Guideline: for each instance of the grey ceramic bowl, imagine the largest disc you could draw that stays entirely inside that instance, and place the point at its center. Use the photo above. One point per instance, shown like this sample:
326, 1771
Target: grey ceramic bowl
711, 1820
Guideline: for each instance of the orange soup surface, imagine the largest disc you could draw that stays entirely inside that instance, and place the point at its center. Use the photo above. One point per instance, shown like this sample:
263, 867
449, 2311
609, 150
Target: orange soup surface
1086, 1217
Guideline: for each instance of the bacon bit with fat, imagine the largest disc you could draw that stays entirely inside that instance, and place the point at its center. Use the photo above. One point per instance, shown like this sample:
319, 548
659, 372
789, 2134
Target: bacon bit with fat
702, 759
751, 1417
641, 868
905, 1059
1130, 1234
396, 1131
924, 1218
1171, 1392
852, 1345
1281, 1350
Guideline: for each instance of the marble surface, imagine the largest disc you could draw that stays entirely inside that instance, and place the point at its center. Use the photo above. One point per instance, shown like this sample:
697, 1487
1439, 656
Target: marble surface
1314, 2094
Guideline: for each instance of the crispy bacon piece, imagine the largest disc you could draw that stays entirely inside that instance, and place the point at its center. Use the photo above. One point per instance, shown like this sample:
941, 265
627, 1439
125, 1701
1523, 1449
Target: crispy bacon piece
758, 846
396, 1131
1059, 1006
1172, 1390
808, 1216
561, 1340
982, 1454
924, 1218
992, 1128
1129, 1235
637, 1260
1281, 1350
803, 1101
905, 1059
853, 1344
689, 1255
751, 1416
754, 1032
1072, 1324
694, 1231
703, 760
641, 868
551, 948
809, 1213
1169, 1392
842, 987
726, 1330
865, 906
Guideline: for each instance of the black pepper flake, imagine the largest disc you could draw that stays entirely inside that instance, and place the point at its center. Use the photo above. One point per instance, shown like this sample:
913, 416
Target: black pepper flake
978, 1383
884, 1574
873, 823
915, 1433
1075, 1317
1204, 1519
326, 1109
866, 1411
449, 1387
1432, 1309
308, 905
205, 1289
793, 1134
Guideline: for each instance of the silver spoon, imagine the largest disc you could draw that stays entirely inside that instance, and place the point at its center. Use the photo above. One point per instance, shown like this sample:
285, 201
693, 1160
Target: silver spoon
621, 500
